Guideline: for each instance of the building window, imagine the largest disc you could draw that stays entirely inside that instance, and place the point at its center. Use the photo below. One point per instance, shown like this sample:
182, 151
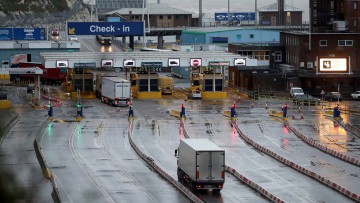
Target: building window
238, 36
355, 5
251, 36
277, 56
169, 16
355, 23
323, 43
176, 16
345, 43
161, 17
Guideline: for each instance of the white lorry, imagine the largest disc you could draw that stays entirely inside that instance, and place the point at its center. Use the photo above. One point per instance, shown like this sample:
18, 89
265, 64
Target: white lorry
115, 91
201, 164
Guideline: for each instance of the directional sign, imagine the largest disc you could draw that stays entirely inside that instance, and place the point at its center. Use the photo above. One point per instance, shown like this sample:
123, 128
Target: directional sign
106, 28
235, 16
151, 64
195, 62
85, 65
22, 71
29, 34
6, 33
22, 34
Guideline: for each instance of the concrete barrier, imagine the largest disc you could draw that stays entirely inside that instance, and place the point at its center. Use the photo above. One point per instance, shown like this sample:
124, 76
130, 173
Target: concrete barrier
283, 160
321, 147
5, 104
43, 163
6, 126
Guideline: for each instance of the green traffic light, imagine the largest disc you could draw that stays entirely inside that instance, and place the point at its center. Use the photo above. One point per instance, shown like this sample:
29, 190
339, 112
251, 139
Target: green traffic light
79, 105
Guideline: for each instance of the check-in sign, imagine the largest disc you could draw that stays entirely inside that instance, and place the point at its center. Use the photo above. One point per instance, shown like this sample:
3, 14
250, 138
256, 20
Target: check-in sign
106, 28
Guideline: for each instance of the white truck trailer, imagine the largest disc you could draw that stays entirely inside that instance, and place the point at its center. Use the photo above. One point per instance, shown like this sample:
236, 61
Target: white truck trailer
115, 91
201, 165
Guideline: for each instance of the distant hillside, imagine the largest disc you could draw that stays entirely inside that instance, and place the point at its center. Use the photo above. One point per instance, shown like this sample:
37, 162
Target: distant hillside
24, 13
36, 6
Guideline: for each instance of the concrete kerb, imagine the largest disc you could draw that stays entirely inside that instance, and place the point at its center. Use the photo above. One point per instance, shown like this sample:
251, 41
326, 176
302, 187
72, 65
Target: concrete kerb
43, 163
253, 185
301, 169
160, 171
7, 127
322, 147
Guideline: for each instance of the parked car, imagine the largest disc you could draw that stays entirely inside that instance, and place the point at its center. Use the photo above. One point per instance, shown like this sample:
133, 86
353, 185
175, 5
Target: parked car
195, 94
306, 100
355, 95
73, 38
332, 96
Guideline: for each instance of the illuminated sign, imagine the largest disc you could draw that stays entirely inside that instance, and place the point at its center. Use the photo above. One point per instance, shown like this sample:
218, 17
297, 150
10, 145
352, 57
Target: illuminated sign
62, 64
240, 62
129, 62
333, 65
174, 63
107, 63
195, 62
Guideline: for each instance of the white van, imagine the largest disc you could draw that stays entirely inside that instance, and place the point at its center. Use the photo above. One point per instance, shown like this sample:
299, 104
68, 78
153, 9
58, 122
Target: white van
295, 91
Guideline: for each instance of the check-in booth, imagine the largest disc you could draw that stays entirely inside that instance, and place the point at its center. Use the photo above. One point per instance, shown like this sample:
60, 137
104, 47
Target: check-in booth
212, 79
80, 78
147, 80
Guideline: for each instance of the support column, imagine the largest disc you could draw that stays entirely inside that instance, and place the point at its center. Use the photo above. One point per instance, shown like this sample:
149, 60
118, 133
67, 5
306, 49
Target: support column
160, 42
131, 42
37, 90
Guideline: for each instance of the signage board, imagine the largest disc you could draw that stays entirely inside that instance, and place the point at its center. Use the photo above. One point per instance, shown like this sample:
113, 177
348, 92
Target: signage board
107, 63
151, 64
174, 62
234, 16
106, 28
6, 34
5, 64
85, 65
219, 63
62, 64
129, 63
23, 34
240, 62
195, 62
333, 65
29, 34
113, 19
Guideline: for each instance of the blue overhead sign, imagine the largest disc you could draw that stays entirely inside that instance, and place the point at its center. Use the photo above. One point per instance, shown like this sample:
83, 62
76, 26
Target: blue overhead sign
235, 16
106, 28
22, 34
6, 34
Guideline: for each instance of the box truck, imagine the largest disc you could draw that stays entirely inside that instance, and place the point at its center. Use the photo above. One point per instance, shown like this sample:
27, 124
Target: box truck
115, 91
201, 165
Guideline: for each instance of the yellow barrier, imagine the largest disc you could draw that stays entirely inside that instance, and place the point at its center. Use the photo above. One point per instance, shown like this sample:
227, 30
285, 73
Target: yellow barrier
5, 104
214, 95
227, 113
147, 95
244, 96
175, 113
276, 113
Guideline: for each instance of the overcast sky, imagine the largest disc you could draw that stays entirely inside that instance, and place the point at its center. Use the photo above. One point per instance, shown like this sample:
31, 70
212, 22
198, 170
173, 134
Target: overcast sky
212, 6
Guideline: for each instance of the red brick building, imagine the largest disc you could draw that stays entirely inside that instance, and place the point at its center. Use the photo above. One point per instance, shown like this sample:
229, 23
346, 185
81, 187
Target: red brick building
305, 60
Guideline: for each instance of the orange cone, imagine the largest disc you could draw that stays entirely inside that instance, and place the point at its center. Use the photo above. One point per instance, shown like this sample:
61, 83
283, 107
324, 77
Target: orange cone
293, 116
302, 116
252, 105
266, 106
